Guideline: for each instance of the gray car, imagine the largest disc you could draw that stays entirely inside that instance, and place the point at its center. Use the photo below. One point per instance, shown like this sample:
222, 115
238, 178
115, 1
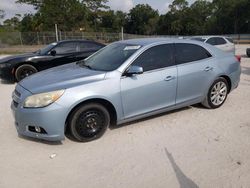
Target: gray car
124, 81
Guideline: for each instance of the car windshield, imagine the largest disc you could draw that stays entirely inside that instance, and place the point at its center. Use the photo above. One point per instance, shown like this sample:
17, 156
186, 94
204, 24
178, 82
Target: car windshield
47, 48
110, 57
198, 39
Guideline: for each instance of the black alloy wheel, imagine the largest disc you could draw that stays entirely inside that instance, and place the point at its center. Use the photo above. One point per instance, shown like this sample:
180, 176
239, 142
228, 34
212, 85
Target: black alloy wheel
89, 122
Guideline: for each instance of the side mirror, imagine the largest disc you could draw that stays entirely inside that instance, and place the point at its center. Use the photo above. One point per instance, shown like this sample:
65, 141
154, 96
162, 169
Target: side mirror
53, 52
134, 70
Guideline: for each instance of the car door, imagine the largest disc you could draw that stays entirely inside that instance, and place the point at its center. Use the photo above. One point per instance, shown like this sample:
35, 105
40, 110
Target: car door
65, 52
156, 87
195, 67
85, 49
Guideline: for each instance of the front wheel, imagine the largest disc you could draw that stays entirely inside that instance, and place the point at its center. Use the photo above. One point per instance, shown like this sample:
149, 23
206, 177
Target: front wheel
217, 94
89, 122
24, 71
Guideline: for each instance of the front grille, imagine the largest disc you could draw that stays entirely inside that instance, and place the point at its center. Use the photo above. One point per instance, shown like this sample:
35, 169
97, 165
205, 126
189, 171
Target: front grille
17, 93
15, 103
16, 97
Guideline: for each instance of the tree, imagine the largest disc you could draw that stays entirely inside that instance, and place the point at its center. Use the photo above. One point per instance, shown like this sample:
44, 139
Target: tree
178, 12
113, 21
141, 18
96, 5
197, 17
13, 23
2, 14
68, 14
230, 16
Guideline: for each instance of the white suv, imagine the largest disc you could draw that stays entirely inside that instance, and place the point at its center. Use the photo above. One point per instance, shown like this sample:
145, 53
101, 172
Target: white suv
223, 43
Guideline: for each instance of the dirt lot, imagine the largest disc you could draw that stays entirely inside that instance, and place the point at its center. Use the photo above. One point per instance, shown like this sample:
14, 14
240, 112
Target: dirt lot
191, 147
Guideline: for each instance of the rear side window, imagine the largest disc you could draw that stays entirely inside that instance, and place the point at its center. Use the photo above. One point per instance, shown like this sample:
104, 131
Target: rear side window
156, 57
230, 40
64, 48
190, 52
211, 41
220, 41
85, 46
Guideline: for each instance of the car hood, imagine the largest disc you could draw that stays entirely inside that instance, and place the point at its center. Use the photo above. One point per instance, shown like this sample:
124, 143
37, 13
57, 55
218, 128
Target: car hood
62, 77
17, 57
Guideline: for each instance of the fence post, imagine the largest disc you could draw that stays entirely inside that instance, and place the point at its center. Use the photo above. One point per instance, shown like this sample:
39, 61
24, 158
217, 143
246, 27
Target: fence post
38, 42
20, 36
56, 32
122, 33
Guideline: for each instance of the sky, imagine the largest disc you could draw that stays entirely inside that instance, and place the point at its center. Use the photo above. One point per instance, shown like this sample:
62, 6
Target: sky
11, 8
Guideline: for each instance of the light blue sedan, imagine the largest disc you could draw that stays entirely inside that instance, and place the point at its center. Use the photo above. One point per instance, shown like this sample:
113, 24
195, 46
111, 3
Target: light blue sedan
124, 81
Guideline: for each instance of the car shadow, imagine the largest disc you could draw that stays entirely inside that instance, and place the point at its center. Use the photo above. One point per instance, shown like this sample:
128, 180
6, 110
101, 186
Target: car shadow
245, 70
6, 82
150, 117
40, 141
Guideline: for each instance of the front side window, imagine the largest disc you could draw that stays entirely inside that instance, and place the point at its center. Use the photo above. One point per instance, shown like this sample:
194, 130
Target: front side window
64, 48
156, 57
190, 52
220, 41
211, 41
110, 57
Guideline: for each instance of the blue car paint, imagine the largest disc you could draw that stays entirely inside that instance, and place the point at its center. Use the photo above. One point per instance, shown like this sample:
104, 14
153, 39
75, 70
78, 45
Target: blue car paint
131, 97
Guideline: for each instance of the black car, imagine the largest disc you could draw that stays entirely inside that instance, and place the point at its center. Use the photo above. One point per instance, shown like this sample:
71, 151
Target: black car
15, 68
248, 52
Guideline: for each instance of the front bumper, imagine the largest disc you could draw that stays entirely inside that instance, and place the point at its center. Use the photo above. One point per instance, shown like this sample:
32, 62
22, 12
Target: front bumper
51, 118
6, 74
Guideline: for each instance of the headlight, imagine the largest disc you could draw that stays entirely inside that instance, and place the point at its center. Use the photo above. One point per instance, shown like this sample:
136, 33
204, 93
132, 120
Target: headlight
42, 99
3, 65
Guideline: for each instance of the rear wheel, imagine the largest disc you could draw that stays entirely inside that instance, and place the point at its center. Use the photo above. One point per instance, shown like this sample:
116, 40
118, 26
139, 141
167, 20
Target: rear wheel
89, 122
217, 94
24, 71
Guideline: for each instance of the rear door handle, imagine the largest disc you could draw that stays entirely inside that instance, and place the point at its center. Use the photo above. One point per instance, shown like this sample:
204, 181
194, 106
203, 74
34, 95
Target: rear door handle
208, 69
169, 78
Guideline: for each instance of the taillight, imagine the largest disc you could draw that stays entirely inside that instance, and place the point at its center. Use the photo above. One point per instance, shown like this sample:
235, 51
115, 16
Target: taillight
238, 57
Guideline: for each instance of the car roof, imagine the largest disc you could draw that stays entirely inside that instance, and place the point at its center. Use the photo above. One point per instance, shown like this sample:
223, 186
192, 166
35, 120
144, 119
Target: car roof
77, 40
148, 41
207, 37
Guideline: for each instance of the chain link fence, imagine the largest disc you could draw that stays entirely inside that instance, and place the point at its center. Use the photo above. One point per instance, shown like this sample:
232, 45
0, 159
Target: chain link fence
25, 41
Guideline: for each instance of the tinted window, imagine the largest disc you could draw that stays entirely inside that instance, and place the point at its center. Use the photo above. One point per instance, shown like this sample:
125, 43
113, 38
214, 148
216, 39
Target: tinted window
110, 57
211, 41
63, 48
156, 58
220, 41
190, 52
84, 46
230, 40
47, 48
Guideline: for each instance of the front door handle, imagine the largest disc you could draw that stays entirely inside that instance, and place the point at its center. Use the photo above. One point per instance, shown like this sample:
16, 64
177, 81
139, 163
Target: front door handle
169, 78
208, 69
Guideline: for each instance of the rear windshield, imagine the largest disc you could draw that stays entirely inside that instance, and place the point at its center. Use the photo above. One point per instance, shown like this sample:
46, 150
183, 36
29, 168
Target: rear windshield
230, 40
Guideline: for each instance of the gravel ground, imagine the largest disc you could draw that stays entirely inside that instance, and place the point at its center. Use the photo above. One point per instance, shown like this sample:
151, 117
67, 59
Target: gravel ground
187, 148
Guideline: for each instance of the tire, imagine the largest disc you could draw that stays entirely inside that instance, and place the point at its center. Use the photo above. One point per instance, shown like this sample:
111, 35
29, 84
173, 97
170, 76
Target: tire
248, 52
24, 71
217, 94
89, 122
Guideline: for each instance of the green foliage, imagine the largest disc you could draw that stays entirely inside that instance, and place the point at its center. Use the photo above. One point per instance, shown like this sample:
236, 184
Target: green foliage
142, 19
200, 18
